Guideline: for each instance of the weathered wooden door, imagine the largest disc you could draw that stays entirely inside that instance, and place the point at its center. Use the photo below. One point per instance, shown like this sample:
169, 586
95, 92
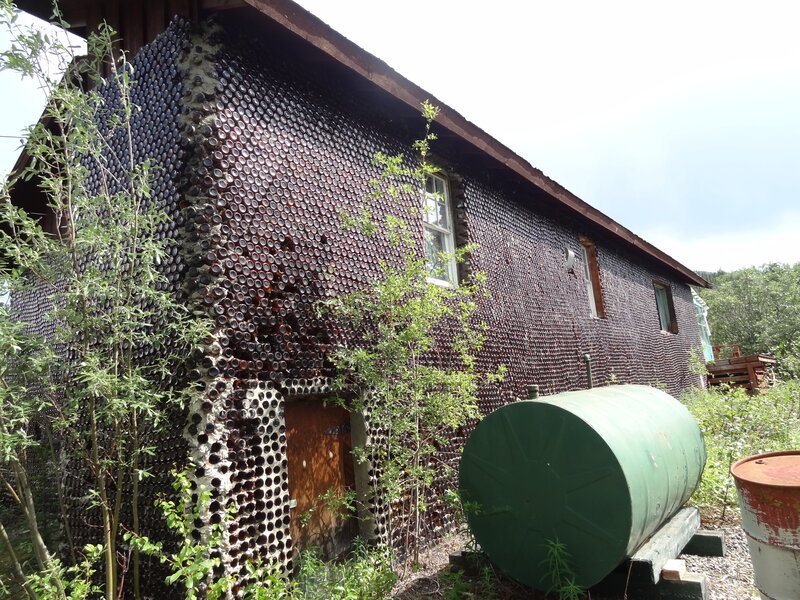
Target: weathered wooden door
320, 465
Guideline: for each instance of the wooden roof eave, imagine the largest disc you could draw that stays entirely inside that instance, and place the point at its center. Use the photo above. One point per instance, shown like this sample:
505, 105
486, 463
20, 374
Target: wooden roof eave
314, 31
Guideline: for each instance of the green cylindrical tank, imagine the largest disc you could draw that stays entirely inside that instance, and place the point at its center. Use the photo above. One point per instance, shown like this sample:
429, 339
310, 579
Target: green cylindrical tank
597, 470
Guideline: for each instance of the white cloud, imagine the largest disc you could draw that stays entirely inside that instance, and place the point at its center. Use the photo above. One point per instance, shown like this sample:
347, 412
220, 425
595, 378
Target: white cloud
730, 251
23, 100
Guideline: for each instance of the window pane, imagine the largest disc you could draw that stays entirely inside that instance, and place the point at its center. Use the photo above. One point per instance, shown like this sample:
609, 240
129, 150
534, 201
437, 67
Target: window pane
438, 229
663, 308
430, 185
436, 211
435, 243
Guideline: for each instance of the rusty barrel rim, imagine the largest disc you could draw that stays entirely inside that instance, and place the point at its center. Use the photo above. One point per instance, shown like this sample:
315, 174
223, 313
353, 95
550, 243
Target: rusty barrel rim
745, 470
768, 487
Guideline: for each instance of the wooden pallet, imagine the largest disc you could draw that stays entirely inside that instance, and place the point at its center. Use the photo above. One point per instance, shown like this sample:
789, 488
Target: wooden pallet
748, 372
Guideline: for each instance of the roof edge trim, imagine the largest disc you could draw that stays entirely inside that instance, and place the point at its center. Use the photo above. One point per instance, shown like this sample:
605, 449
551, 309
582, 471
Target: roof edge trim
316, 32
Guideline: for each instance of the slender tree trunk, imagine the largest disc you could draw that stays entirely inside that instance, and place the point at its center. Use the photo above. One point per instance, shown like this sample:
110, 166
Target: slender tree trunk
43, 558
62, 507
137, 593
16, 567
29, 510
23, 494
109, 553
416, 506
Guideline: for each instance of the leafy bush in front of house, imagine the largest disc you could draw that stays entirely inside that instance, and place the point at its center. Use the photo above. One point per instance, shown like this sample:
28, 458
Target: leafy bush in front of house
92, 394
385, 370
736, 425
366, 574
196, 564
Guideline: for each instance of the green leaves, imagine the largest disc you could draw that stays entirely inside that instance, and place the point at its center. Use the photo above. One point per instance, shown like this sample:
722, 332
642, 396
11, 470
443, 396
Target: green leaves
74, 582
757, 308
735, 425
97, 275
366, 574
415, 389
561, 573
25, 363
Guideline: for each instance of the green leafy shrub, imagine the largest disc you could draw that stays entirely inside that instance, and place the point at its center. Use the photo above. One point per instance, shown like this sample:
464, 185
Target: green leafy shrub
385, 371
736, 425
366, 574
480, 581
788, 355
756, 307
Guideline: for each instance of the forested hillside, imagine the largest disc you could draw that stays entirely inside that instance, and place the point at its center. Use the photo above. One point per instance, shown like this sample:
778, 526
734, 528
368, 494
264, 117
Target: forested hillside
757, 308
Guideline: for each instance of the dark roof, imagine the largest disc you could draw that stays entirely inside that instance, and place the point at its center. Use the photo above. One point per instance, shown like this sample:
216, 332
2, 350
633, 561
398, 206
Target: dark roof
298, 20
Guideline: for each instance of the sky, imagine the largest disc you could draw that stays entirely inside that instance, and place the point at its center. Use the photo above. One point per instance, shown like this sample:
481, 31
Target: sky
679, 120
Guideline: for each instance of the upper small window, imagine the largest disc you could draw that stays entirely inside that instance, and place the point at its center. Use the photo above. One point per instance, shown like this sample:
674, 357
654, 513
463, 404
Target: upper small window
666, 308
439, 238
591, 275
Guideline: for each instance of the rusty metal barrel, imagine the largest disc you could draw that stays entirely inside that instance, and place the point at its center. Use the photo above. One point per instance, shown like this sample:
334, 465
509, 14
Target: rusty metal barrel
769, 497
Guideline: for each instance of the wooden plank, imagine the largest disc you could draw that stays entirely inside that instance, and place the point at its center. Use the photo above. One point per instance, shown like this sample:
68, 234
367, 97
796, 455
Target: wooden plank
753, 358
319, 457
732, 349
753, 363
666, 543
673, 569
625, 584
155, 19
180, 8
745, 376
737, 368
132, 26
736, 378
742, 361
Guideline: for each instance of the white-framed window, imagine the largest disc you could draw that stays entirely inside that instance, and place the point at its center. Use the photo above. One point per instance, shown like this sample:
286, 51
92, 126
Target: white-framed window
665, 307
439, 238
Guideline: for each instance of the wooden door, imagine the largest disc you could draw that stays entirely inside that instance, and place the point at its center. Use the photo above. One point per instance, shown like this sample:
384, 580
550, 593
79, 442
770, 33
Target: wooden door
320, 464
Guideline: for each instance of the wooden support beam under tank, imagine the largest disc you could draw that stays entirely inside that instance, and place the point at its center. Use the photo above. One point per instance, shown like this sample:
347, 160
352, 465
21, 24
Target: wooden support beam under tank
666, 543
653, 573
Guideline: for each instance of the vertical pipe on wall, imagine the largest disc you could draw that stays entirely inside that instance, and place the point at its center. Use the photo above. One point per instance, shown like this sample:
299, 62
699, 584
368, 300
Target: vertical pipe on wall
587, 360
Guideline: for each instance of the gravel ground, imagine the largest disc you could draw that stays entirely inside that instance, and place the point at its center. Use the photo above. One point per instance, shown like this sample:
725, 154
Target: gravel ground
729, 577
